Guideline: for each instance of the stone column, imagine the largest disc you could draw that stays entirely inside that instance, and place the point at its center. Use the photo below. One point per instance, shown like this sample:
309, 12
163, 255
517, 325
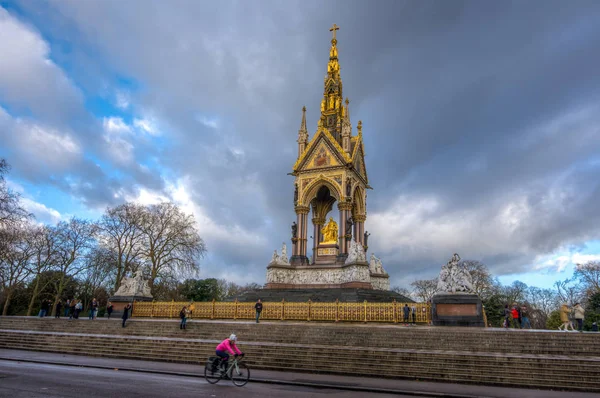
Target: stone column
318, 225
302, 212
344, 208
359, 223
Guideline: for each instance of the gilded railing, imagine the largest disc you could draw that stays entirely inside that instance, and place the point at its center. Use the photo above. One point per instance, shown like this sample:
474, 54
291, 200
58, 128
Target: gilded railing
286, 311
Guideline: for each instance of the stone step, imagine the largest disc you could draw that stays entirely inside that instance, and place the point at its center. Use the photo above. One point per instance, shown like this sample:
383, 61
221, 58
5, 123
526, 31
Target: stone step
421, 374
366, 355
542, 343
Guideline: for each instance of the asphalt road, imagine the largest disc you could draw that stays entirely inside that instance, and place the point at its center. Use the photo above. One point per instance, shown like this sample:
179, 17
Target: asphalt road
21, 379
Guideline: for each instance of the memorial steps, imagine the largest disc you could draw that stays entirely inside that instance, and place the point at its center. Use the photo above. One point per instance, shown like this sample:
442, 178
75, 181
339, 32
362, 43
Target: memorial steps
495, 357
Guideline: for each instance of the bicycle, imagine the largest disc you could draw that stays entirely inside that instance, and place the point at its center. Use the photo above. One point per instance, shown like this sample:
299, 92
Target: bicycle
237, 371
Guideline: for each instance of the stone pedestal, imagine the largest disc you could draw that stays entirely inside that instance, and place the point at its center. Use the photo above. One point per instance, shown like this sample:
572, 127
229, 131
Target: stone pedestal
326, 253
457, 309
119, 302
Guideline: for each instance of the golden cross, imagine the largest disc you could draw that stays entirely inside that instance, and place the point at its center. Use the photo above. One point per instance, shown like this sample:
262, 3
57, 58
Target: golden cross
333, 29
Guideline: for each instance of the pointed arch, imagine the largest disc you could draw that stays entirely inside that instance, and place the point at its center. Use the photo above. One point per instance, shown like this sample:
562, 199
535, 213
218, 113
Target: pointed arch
358, 199
313, 188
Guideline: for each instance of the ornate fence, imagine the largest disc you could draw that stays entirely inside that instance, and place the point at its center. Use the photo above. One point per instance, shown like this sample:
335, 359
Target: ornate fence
287, 311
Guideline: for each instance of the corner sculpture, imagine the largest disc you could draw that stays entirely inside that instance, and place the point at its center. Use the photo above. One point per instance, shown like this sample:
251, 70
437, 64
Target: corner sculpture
455, 303
356, 253
135, 286
280, 259
454, 278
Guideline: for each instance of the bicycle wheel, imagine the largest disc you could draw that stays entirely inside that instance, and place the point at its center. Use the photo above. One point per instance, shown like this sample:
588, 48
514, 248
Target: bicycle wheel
240, 374
211, 376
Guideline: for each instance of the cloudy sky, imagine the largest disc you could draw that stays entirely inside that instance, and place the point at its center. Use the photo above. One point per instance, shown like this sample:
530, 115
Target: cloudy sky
481, 122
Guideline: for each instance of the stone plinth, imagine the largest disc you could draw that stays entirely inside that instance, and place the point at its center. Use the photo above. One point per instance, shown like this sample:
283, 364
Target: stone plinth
119, 302
457, 309
380, 281
326, 253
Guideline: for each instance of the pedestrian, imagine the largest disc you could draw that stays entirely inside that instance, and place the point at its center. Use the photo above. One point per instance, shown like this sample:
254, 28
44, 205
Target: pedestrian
58, 309
413, 311
258, 307
594, 327
564, 318
191, 308
78, 309
507, 315
516, 316
406, 312
109, 308
67, 307
578, 314
126, 313
72, 309
183, 314
93, 309
525, 318
43, 308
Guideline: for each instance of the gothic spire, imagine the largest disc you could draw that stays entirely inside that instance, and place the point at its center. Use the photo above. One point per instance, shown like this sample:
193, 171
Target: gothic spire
302, 134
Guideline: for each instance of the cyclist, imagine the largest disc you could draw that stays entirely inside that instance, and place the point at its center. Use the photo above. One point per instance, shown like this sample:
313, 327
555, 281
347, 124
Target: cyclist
225, 347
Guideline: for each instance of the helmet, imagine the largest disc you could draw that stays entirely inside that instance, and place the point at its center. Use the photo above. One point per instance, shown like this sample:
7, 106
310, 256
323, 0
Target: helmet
233, 337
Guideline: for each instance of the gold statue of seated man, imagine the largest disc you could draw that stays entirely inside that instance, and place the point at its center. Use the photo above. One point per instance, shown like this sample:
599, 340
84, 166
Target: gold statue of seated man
330, 231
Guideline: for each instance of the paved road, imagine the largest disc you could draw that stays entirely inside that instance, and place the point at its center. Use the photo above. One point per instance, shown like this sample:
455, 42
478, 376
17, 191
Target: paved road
20, 379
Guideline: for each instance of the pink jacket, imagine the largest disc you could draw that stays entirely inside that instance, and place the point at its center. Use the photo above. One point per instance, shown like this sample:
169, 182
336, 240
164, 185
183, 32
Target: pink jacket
227, 345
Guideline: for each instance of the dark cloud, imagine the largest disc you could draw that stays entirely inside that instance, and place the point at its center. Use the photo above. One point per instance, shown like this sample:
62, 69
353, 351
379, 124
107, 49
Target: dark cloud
480, 119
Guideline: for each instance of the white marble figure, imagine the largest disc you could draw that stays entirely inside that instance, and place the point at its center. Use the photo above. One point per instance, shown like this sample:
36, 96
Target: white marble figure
134, 286
352, 253
275, 257
361, 256
283, 259
454, 278
375, 265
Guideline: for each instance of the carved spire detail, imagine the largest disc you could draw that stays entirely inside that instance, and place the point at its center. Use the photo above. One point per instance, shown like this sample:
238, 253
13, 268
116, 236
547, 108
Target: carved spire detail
302, 134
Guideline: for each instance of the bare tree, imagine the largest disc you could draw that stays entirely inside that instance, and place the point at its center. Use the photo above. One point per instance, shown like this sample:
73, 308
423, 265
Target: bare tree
11, 211
171, 242
14, 260
545, 300
74, 239
588, 275
424, 289
568, 291
96, 273
515, 293
121, 233
43, 242
402, 290
481, 277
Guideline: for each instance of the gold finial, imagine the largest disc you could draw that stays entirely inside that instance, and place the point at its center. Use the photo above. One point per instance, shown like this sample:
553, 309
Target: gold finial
347, 101
304, 109
360, 127
333, 29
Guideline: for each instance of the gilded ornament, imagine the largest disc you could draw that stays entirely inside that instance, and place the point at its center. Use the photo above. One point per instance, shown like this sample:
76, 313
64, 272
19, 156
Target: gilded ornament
330, 232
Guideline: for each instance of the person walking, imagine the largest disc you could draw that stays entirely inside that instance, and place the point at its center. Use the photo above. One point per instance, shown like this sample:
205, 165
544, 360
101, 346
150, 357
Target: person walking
109, 309
43, 308
525, 324
58, 309
413, 311
126, 313
183, 314
67, 307
258, 307
516, 315
564, 318
93, 309
578, 314
506, 316
406, 313
72, 309
78, 309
